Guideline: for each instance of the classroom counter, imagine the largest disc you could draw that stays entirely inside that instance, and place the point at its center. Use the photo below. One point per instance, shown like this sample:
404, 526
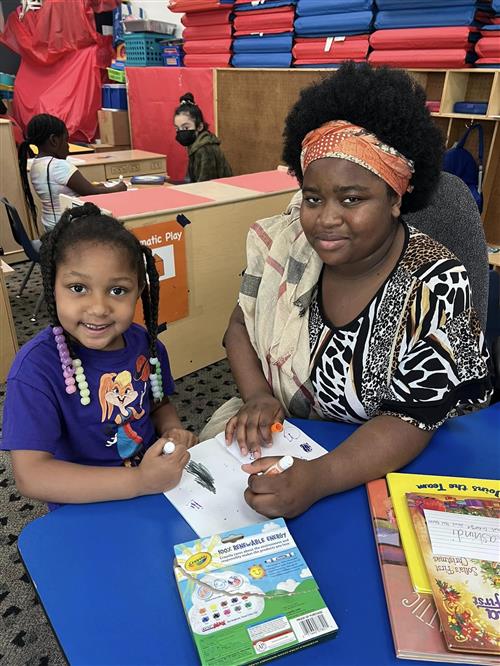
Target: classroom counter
105, 166
197, 233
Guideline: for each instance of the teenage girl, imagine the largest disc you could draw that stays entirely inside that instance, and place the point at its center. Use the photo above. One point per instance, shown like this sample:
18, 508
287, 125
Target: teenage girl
87, 413
51, 174
206, 159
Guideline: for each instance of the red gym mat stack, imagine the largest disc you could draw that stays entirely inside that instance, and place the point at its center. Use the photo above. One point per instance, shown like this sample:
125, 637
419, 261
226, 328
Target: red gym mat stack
208, 31
488, 46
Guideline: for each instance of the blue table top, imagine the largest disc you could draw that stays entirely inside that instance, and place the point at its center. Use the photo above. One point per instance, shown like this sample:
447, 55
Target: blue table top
104, 571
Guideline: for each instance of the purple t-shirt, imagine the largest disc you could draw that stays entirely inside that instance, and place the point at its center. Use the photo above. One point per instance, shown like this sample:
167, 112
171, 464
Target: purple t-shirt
39, 415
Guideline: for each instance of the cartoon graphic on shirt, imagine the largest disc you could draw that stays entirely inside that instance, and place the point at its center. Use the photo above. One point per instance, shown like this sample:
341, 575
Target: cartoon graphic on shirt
116, 395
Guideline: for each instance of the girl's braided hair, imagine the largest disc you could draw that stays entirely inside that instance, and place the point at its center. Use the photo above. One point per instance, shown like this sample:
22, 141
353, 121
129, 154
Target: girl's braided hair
39, 129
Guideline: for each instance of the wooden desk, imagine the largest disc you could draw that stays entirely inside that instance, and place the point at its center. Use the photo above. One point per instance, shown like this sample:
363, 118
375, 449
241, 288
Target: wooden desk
8, 338
105, 166
220, 215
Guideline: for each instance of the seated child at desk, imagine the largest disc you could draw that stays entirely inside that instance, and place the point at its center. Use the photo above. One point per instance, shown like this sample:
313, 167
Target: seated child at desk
206, 159
345, 311
51, 173
87, 411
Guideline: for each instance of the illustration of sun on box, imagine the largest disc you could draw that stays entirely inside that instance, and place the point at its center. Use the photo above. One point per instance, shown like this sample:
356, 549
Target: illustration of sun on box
249, 595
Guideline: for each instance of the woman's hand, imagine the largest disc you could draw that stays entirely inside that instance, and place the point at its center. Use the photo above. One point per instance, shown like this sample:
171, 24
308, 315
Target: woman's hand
180, 436
287, 494
158, 472
252, 424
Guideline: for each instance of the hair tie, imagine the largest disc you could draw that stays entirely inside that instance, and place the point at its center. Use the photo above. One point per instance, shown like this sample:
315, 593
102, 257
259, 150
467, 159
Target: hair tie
88, 208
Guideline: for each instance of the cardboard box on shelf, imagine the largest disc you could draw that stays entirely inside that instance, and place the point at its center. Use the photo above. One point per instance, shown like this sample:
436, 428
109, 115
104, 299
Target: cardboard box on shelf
114, 127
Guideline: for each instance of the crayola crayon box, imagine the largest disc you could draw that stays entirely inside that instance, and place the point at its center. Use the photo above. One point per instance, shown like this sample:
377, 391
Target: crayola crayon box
249, 595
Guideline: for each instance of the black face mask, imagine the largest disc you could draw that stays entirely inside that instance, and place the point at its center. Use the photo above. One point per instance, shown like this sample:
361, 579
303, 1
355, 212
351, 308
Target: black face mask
186, 137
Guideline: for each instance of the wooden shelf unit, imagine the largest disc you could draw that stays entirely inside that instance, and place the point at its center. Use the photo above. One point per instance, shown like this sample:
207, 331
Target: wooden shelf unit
250, 118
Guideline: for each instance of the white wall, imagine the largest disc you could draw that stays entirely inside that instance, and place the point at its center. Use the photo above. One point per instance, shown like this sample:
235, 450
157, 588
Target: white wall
157, 9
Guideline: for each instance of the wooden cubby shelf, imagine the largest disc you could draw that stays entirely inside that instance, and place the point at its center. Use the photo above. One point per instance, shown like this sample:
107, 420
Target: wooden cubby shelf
250, 122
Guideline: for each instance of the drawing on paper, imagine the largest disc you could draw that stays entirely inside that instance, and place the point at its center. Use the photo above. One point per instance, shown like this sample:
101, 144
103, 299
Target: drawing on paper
201, 475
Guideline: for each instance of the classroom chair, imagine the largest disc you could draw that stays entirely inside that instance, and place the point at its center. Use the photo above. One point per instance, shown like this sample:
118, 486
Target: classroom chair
31, 249
452, 218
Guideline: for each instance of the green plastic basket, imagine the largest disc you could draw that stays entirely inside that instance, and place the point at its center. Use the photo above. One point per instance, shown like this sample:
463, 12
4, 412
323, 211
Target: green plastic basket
143, 49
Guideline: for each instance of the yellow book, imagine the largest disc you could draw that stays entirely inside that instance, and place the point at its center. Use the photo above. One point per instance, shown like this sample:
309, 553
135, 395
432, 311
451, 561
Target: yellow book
400, 484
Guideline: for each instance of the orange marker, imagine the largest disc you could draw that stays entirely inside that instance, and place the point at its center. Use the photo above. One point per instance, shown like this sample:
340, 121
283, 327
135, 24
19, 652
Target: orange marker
277, 427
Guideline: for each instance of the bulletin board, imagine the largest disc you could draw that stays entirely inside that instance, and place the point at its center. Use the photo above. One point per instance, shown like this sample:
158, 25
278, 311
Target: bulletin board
251, 133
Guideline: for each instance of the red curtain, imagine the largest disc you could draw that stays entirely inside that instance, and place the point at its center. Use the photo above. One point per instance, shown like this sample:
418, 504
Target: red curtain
69, 89
62, 63
153, 95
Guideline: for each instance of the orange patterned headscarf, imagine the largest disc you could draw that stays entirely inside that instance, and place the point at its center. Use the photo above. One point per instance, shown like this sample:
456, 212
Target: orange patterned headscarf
339, 138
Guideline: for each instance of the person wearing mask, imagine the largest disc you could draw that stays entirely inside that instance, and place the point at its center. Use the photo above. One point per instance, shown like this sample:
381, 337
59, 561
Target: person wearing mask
206, 159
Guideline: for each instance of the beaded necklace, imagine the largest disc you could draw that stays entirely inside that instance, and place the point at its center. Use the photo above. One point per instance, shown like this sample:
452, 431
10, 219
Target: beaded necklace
74, 375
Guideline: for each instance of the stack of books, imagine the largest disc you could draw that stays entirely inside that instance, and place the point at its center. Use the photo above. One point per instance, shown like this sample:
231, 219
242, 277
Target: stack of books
438, 541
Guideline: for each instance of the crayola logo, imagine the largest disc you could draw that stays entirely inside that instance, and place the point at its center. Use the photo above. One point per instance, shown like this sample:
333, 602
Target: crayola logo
198, 561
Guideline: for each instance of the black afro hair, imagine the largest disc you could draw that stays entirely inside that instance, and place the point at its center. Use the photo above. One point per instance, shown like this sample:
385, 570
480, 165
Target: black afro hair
388, 103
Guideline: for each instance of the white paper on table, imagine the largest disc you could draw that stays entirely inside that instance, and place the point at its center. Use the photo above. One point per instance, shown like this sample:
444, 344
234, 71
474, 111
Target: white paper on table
292, 441
455, 534
225, 509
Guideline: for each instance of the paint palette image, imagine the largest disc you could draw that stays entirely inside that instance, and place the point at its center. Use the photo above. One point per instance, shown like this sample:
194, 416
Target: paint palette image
223, 599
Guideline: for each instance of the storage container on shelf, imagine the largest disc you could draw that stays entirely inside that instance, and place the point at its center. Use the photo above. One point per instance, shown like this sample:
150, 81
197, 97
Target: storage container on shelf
6, 85
173, 55
7, 79
149, 25
114, 96
143, 49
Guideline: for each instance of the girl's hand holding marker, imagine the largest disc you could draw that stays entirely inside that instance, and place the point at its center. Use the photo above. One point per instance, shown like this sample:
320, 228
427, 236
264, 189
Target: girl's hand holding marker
160, 471
168, 448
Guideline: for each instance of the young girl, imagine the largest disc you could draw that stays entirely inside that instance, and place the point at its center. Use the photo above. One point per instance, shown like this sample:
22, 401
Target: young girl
206, 159
87, 413
51, 174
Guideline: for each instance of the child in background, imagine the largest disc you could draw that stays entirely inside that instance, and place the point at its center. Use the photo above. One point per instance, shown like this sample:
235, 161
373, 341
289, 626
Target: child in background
87, 413
206, 159
51, 174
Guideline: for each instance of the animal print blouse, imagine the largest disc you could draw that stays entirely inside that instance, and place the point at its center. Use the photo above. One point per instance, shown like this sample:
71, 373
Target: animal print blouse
416, 351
